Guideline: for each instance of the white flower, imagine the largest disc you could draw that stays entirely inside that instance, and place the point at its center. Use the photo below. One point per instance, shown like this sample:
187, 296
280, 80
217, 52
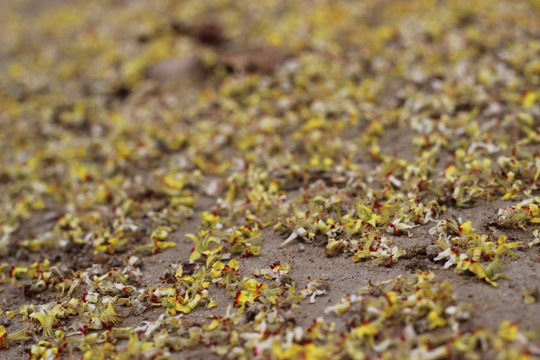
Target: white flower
536, 239
448, 253
298, 232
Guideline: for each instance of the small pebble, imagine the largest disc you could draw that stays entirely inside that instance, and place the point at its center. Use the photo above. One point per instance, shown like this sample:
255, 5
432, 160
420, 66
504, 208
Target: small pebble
432, 251
100, 258
6, 321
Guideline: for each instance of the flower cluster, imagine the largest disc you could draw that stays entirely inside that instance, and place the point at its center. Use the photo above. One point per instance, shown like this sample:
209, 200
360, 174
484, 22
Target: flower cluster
465, 249
208, 142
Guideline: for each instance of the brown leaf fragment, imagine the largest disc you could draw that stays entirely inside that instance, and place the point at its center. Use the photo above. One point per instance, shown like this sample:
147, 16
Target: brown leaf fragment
208, 33
262, 60
183, 69
100, 258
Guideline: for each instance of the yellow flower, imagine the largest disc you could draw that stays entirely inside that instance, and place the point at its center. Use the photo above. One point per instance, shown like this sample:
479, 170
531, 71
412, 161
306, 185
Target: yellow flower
174, 182
508, 331
529, 99
6, 338
451, 173
210, 219
466, 228
203, 247
435, 319
3, 338
47, 321
297, 351
108, 316
369, 216
161, 233
366, 331
251, 293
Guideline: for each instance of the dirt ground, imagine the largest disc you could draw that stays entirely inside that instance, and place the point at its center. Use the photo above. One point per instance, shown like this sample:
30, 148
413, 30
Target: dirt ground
381, 155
